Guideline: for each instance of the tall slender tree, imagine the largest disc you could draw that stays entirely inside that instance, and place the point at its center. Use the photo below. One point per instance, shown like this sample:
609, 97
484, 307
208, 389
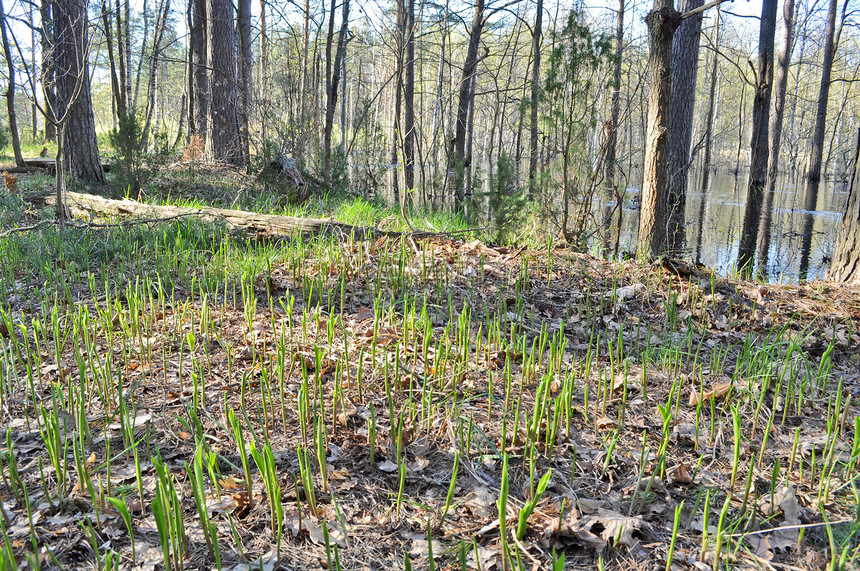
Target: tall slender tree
333, 69
222, 137
535, 96
47, 72
662, 22
685, 66
709, 134
246, 64
10, 90
464, 102
759, 141
74, 101
816, 148
199, 103
775, 133
409, 97
846, 255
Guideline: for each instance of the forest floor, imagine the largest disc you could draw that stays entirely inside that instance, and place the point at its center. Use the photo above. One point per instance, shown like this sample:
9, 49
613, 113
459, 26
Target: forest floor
180, 395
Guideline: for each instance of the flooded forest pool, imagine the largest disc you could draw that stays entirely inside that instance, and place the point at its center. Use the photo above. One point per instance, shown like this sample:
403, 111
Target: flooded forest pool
723, 218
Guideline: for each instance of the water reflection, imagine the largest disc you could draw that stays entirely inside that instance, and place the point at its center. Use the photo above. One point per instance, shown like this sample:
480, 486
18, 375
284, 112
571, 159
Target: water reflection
721, 219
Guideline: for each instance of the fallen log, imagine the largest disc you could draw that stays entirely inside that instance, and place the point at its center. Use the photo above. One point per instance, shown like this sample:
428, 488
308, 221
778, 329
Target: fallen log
262, 225
50, 164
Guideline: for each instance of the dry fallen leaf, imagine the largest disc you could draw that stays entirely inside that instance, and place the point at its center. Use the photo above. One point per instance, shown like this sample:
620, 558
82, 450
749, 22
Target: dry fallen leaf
717, 392
387, 466
228, 483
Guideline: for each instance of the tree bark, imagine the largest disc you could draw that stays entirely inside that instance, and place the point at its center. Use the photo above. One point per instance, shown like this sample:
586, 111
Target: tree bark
264, 64
813, 168
47, 75
33, 107
246, 64
662, 22
409, 98
709, 133
775, 134
81, 151
197, 123
464, 103
160, 23
222, 137
533, 107
333, 69
846, 256
685, 66
10, 91
759, 141
118, 98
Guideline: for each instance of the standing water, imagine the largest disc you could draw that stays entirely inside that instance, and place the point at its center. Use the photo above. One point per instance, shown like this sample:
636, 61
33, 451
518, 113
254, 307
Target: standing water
723, 219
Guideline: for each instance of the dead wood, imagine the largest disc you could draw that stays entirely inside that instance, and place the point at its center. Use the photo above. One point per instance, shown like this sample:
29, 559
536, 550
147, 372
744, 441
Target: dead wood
253, 223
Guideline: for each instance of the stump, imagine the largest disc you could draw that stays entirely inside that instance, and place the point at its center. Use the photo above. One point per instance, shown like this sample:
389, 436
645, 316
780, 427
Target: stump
282, 174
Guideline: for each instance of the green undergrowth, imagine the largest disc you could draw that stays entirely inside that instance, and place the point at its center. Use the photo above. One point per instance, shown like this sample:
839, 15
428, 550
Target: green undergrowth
173, 394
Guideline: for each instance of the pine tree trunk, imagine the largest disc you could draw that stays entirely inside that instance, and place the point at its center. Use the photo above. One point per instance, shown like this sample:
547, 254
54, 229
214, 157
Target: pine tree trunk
81, 151
685, 66
759, 144
813, 169
662, 22
200, 76
775, 134
222, 137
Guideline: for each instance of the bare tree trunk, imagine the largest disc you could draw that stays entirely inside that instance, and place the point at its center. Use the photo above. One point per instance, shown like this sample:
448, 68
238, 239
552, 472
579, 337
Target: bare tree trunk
33, 109
464, 102
222, 138
438, 107
10, 91
409, 99
846, 255
685, 66
264, 63
533, 108
303, 84
396, 133
709, 134
81, 151
114, 79
124, 39
759, 143
775, 134
332, 81
662, 22
160, 22
47, 75
246, 64
199, 65
139, 72
615, 105
813, 168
